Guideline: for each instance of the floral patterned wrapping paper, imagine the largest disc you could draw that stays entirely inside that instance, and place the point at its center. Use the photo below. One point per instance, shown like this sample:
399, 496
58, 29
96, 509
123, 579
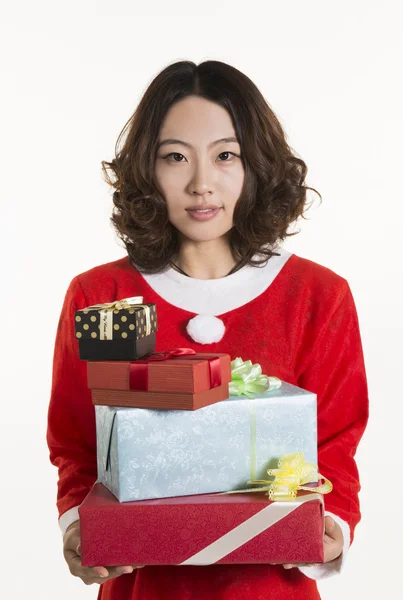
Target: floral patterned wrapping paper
186, 530
167, 453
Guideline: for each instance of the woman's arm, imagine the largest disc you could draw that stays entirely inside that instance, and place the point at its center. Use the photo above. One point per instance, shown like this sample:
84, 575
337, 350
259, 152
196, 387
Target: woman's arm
71, 420
335, 371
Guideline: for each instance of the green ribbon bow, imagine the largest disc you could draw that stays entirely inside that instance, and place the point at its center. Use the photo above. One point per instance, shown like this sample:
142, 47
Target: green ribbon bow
247, 379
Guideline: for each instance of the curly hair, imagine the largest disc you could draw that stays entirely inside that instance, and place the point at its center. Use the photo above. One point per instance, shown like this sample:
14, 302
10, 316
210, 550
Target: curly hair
273, 194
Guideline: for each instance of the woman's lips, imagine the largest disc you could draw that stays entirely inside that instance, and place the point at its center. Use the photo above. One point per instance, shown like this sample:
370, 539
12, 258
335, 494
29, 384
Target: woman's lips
203, 215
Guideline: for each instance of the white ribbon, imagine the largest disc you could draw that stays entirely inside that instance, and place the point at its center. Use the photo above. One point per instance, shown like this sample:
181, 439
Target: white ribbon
247, 530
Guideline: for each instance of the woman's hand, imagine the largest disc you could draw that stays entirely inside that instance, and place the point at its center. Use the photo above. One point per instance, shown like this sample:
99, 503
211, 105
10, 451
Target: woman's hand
333, 544
89, 575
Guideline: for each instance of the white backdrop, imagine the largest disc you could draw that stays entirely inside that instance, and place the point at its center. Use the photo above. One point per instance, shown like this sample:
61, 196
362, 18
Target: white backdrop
72, 74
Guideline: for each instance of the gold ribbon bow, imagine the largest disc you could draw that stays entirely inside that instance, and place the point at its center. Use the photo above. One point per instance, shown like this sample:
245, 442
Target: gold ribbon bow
106, 313
291, 475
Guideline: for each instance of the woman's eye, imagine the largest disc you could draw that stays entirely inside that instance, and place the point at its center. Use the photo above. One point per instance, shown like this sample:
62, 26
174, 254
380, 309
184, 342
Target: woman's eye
175, 155
226, 153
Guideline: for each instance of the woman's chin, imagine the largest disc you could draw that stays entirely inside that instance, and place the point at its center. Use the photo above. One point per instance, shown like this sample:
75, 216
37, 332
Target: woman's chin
202, 234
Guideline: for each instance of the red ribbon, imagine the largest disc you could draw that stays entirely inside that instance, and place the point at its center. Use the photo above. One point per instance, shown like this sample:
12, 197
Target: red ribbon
138, 377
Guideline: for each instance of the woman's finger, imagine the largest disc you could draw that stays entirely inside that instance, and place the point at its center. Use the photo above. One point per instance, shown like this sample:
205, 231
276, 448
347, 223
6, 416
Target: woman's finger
291, 566
91, 574
113, 573
76, 568
333, 532
98, 574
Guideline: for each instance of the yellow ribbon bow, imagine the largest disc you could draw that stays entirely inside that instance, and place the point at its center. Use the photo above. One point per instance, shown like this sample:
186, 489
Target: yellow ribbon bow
106, 310
291, 475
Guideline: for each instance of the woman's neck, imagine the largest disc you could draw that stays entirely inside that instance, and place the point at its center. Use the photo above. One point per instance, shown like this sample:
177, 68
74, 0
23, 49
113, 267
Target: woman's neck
205, 260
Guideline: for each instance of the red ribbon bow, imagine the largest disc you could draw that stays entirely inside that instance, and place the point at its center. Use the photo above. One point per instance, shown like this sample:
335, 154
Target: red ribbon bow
139, 368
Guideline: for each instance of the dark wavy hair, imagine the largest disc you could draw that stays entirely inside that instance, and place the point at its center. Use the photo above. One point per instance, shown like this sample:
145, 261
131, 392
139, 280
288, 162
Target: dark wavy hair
273, 194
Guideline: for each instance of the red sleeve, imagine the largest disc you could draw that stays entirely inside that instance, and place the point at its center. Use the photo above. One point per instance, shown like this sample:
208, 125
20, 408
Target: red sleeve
335, 371
71, 419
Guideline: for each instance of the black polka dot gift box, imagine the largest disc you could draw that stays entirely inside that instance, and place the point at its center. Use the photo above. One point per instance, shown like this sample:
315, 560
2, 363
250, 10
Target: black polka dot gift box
120, 330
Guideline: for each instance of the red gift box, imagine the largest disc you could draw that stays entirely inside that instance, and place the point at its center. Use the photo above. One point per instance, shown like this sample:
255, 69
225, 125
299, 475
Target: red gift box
191, 374
200, 530
162, 400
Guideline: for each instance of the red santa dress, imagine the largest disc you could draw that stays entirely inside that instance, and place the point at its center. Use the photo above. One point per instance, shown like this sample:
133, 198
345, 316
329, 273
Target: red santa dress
294, 317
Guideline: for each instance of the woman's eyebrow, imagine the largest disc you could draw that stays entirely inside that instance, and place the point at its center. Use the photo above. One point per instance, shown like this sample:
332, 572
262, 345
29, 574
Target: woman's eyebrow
225, 140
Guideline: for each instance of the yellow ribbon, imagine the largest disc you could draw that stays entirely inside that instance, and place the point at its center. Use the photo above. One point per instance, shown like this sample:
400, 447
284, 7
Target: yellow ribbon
106, 312
291, 475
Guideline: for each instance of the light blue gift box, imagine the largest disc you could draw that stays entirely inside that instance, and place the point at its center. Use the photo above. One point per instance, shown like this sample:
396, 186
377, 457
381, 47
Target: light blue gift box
148, 453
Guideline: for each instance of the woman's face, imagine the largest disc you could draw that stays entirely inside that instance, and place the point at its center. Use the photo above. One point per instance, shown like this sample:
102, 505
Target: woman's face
200, 176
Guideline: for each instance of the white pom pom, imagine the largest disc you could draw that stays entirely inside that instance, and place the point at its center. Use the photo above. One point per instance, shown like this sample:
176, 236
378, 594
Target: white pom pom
205, 329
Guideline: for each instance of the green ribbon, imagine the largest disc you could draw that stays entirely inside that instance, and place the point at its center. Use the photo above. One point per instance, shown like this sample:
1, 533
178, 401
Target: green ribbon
247, 379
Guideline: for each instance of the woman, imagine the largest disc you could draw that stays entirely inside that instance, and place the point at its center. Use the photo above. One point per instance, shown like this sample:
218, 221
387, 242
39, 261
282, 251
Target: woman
206, 187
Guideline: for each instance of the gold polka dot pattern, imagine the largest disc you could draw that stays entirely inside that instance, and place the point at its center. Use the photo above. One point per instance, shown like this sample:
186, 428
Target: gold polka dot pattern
126, 324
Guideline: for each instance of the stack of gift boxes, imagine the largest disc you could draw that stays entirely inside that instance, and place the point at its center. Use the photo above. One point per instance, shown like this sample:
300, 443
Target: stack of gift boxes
180, 438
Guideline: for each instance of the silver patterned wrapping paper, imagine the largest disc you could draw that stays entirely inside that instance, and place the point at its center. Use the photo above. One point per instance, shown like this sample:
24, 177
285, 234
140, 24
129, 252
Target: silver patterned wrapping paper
165, 453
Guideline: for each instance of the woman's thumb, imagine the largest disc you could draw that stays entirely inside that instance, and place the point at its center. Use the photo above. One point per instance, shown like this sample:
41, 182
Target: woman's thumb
329, 525
78, 549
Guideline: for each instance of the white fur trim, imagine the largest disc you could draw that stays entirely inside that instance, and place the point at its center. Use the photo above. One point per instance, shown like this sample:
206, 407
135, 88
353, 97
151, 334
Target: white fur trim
205, 329
67, 518
217, 296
